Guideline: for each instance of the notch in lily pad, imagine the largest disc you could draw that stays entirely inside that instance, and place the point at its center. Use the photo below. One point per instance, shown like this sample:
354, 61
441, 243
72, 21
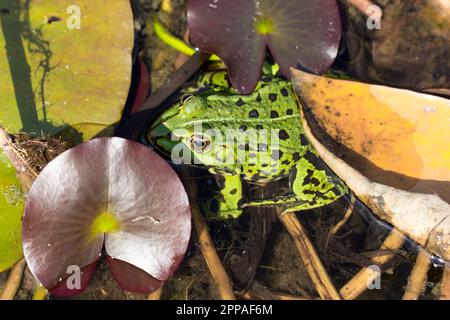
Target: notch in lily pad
107, 195
299, 33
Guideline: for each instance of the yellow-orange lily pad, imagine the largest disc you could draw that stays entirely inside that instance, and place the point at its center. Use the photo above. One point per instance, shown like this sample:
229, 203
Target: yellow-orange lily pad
395, 137
64, 64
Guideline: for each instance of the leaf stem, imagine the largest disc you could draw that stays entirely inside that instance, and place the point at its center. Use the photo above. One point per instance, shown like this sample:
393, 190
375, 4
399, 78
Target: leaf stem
165, 36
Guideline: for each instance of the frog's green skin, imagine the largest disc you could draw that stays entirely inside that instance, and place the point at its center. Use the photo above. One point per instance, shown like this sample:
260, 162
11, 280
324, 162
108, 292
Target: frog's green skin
286, 153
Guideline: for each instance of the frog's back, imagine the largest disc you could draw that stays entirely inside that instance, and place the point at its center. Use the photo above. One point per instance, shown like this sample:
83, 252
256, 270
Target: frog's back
272, 113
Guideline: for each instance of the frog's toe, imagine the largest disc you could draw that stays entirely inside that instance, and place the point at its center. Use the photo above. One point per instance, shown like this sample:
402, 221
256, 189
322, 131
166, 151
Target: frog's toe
230, 214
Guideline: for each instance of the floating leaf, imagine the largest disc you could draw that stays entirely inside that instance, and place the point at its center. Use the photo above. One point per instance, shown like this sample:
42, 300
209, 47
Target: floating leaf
393, 151
298, 32
107, 192
54, 75
11, 209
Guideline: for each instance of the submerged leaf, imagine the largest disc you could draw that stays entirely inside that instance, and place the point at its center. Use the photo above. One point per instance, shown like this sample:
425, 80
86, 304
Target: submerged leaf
11, 209
298, 32
380, 134
56, 63
110, 192
393, 136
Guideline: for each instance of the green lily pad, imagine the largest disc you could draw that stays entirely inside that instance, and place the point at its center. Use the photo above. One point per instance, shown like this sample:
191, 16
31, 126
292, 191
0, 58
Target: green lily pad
11, 209
54, 76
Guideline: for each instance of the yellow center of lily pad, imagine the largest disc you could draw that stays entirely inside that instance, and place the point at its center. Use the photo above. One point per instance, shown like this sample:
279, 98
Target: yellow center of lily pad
264, 25
105, 222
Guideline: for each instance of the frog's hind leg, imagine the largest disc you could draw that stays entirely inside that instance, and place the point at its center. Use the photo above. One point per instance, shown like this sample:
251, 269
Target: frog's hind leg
226, 202
312, 187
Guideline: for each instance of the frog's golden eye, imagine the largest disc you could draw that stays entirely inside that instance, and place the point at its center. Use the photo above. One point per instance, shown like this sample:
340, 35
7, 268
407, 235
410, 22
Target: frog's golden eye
200, 143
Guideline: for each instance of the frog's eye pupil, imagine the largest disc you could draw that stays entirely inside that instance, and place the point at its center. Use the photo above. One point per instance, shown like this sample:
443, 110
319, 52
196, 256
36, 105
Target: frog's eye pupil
199, 143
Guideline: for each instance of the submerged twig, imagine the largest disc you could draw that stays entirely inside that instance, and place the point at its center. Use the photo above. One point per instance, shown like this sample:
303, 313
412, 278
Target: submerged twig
359, 283
314, 266
207, 247
418, 276
13, 282
445, 284
362, 5
347, 215
156, 295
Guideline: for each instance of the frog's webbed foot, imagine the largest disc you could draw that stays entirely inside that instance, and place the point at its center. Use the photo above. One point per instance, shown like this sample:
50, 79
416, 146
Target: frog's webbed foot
227, 202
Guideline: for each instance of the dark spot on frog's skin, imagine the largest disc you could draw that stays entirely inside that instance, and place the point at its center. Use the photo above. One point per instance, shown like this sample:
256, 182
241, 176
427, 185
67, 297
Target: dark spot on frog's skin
284, 92
328, 108
309, 174
296, 156
277, 155
258, 98
274, 114
285, 162
253, 114
311, 157
252, 155
259, 127
234, 191
283, 135
338, 114
273, 97
262, 147
214, 205
240, 102
265, 165
289, 112
315, 182
243, 128
283, 172
303, 140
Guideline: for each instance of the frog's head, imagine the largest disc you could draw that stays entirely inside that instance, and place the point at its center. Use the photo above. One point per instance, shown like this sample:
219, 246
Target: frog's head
186, 132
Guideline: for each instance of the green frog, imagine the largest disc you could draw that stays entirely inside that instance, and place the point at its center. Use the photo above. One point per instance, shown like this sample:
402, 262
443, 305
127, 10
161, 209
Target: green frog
257, 138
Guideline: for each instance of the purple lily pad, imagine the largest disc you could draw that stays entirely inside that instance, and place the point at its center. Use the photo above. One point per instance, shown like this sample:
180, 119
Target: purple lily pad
111, 193
299, 33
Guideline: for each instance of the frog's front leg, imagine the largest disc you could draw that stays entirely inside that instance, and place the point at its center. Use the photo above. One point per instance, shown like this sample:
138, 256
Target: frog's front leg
226, 203
312, 188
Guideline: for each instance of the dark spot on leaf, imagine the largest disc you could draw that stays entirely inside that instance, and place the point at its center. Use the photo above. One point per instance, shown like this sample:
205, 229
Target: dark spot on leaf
52, 19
